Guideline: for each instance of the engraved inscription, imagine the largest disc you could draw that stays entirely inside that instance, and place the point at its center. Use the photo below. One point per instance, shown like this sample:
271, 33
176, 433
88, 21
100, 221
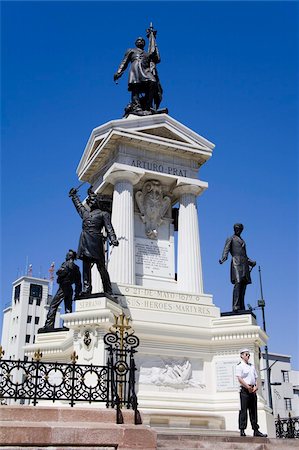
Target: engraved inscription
153, 258
155, 167
176, 307
165, 295
82, 305
226, 375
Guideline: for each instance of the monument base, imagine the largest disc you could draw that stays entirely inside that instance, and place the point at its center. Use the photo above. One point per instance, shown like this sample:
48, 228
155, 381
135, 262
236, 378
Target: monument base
186, 360
238, 313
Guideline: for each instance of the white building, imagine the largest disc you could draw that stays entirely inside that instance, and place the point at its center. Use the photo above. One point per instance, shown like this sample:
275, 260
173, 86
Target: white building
27, 313
284, 384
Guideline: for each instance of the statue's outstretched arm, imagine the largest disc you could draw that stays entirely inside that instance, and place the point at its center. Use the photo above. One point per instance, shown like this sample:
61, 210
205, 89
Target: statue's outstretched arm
77, 202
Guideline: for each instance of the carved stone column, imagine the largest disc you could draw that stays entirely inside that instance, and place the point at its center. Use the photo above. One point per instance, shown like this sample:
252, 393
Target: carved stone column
121, 265
189, 268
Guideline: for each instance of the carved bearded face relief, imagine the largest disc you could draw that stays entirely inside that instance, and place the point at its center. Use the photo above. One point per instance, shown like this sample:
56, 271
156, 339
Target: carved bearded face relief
153, 206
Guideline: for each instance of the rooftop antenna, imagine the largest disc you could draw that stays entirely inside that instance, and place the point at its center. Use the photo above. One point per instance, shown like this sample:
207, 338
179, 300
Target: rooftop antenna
51, 277
29, 271
26, 265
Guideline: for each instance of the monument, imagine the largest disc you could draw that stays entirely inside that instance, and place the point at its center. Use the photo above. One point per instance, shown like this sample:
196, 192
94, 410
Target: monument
150, 165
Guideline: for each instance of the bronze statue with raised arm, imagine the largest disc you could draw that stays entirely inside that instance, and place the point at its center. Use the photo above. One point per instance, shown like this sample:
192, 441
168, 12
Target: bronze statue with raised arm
91, 245
144, 84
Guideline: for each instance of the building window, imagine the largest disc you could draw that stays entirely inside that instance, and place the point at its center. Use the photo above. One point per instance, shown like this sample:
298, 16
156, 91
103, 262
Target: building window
27, 339
29, 318
288, 404
36, 320
30, 300
38, 300
36, 290
17, 293
285, 376
25, 358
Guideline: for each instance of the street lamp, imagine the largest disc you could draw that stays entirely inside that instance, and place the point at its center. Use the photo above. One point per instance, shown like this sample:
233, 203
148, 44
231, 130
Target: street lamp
261, 305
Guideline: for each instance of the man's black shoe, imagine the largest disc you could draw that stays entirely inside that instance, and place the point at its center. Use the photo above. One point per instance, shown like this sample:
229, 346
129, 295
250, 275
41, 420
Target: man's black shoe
242, 433
257, 433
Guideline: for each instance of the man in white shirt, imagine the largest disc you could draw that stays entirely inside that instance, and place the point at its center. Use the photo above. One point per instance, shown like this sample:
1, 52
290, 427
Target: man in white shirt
247, 378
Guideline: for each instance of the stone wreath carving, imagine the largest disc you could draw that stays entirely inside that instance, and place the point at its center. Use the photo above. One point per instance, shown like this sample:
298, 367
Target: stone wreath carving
153, 206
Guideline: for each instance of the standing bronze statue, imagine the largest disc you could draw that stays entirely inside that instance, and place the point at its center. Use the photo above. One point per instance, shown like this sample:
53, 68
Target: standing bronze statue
91, 245
240, 266
144, 84
67, 275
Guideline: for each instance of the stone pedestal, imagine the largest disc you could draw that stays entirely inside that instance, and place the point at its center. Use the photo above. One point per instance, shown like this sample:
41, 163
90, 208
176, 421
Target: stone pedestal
89, 323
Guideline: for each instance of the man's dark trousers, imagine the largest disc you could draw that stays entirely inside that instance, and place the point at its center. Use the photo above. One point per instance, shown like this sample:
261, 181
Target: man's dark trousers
248, 401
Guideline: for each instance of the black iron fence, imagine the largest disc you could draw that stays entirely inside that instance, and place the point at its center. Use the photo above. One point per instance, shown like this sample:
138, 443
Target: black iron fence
112, 384
38, 380
287, 428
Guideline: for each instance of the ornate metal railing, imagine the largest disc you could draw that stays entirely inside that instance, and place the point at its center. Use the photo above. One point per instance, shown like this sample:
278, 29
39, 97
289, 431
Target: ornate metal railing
122, 344
287, 428
113, 384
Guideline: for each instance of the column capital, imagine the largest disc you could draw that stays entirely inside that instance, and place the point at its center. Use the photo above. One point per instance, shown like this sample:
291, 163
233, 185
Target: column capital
196, 188
119, 172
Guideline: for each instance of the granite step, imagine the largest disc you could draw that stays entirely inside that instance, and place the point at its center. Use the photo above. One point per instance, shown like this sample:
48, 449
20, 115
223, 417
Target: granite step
189, 441
61, 428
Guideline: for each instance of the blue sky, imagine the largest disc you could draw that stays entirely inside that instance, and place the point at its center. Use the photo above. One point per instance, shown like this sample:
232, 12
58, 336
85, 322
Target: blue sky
229, 71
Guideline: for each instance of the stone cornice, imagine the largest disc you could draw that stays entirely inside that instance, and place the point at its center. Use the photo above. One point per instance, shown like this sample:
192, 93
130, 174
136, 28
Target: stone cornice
135, 132
119, 172
189, 186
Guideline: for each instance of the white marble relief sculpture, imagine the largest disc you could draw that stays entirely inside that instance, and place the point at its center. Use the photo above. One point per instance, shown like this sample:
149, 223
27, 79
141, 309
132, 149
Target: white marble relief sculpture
176, 373
153, 206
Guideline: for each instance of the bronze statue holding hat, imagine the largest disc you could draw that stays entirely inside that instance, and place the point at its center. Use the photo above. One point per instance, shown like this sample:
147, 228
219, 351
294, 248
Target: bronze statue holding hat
241, 266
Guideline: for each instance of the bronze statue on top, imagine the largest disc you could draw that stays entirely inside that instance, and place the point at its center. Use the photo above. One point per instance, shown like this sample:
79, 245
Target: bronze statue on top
144, 84
240, 272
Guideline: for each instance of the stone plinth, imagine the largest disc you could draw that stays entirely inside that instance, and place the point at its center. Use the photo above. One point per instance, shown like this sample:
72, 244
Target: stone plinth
37, 426
94, 316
